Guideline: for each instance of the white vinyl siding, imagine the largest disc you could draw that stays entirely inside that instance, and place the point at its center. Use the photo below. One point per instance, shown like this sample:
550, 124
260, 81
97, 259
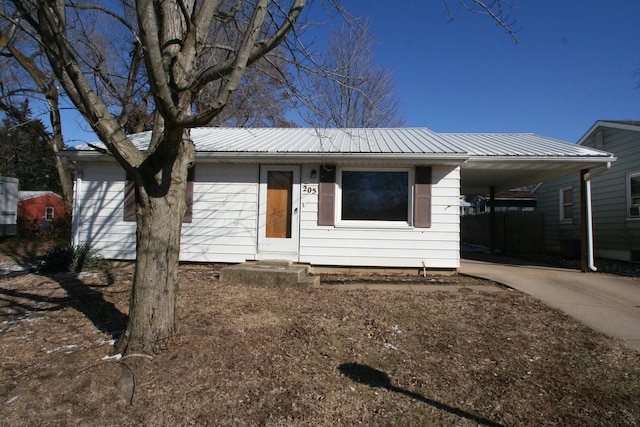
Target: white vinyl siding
224, 214
224, 226
100, 209
225, 218
436, 247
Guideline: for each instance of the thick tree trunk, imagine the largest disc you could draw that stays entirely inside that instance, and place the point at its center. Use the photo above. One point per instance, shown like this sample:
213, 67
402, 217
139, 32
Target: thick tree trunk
160, 209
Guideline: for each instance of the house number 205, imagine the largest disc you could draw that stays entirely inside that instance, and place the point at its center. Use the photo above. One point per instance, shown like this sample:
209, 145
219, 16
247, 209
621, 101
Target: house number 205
309, 189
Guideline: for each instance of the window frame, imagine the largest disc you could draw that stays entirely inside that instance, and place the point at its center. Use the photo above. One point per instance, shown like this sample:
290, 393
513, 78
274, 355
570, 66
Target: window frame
630, 196
49, 213
339, 222
563, 204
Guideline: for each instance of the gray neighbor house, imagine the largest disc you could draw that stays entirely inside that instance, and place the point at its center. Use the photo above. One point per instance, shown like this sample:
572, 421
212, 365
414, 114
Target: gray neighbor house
615, 198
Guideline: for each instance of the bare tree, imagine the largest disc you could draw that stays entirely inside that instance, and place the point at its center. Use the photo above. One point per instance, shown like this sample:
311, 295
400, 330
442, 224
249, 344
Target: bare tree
169, 55
355, 92
173, 39
262, 99
17, 69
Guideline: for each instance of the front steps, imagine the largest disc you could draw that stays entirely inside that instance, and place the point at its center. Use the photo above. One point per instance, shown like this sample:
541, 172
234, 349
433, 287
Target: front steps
271, 273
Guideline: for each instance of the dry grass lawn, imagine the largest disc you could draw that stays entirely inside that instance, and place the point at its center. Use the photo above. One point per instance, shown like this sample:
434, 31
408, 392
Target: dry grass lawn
248, 355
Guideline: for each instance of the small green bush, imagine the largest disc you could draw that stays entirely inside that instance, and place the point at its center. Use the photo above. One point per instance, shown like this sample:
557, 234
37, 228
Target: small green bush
67, 257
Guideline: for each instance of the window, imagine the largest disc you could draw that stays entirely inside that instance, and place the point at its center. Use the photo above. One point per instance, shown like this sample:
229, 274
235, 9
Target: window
566, 204
130, 198
375, 197
48, 213
633, 194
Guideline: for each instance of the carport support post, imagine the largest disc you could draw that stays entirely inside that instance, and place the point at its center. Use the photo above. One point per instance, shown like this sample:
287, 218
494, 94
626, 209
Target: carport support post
492, 220
584, 262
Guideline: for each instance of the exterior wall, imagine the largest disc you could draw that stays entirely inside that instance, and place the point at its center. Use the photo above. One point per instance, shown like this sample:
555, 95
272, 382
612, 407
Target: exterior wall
33, 210
436, 247
615, 235
562, 237
8, 206
223, 228
225, 221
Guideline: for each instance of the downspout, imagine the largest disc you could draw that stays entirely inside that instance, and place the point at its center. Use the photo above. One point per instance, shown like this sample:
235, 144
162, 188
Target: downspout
592, 267
590, 250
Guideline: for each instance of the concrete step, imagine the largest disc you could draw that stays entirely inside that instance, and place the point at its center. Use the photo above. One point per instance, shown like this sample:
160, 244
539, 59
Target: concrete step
273, 273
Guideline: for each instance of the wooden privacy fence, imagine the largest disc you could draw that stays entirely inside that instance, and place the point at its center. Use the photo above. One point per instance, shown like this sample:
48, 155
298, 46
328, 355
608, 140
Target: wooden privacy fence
515, 232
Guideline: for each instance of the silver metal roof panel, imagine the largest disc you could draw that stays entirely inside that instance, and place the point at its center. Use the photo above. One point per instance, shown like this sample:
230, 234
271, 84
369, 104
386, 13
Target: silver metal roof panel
517, 145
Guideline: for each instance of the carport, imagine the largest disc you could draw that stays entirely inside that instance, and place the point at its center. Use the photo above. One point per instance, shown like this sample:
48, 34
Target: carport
500, 162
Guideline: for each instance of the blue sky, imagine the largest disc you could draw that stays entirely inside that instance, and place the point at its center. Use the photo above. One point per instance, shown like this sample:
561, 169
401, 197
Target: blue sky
574, 63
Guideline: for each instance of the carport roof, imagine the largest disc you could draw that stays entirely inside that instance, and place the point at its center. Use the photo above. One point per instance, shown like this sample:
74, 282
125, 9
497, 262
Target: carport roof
502, 161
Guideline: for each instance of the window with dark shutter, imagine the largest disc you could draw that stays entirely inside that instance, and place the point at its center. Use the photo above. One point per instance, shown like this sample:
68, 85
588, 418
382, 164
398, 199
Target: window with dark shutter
130, 198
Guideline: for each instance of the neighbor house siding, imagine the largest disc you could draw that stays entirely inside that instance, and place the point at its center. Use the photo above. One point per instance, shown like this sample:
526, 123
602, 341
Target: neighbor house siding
560, 236
615, 235
437, 246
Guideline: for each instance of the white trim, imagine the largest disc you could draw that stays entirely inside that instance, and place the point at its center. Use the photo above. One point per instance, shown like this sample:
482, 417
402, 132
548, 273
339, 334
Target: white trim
288, 245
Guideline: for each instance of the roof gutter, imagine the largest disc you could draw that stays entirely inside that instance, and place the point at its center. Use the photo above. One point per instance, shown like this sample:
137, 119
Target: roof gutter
300, 158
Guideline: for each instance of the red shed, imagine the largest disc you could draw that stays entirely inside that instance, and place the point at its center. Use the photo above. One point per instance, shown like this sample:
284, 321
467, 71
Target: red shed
39, 208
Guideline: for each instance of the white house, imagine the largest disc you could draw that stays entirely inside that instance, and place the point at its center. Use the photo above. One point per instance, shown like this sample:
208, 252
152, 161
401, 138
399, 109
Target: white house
336, 197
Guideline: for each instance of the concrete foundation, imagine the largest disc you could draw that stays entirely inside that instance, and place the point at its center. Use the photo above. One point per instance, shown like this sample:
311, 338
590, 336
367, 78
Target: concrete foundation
272, 273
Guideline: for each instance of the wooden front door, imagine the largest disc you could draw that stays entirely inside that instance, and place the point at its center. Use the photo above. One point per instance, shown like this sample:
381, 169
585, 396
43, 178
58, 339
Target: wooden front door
278, 216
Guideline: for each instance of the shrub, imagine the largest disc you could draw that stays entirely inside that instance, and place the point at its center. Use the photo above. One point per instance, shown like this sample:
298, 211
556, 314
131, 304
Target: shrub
67, 257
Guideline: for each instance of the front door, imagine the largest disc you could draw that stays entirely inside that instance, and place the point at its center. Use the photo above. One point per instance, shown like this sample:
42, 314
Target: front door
278, 213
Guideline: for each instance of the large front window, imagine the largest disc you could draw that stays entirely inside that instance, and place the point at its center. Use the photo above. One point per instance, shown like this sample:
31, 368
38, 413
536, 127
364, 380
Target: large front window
375, 195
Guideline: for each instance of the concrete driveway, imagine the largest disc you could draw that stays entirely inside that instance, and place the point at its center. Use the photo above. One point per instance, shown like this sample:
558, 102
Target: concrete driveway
606, 303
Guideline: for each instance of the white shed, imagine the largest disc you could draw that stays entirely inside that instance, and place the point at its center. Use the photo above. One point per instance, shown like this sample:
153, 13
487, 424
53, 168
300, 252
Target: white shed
336, 197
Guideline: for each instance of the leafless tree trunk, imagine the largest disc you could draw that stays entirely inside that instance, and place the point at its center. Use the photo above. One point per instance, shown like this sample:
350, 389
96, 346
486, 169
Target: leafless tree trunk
171, 56
172, 35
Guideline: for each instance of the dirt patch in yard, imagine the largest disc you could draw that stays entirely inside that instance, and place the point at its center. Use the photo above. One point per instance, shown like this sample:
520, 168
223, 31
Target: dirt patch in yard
248, 355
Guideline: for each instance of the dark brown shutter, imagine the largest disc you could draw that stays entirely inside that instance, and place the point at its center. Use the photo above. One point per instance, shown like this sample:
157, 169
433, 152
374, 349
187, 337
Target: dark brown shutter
129, 199
327, 195
188, 216
422, 198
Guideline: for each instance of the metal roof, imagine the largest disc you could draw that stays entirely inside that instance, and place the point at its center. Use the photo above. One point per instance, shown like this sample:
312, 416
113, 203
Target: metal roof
314, 141
488, 160
517, 145
26, 195
371, 141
